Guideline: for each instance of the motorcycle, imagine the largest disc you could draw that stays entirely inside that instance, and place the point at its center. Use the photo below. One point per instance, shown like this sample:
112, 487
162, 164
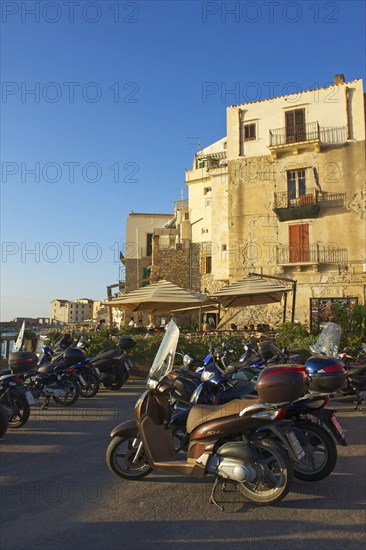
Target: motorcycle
328, 358
114, 365
312, 421
86, 375
355, 386
15, 399
231, 442
50, 381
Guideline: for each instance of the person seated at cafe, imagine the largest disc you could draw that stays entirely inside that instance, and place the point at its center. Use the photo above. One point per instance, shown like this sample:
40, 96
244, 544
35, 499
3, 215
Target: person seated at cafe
211, 322
233, 326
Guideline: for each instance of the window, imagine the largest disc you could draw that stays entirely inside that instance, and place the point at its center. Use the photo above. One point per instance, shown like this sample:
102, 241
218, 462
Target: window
322, 310
296, 184
295, 125
186, 216
223, 247
249, 132
208, 264
207, 190
204, 230
207, 203
149, 237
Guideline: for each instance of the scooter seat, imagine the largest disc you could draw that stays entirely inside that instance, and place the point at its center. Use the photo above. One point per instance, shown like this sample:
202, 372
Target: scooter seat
199, 414
46, 369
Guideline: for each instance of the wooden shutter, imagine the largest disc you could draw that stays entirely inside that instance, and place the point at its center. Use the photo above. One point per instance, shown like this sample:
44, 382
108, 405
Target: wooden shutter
300, 134
290, 126
299, 243
295, 125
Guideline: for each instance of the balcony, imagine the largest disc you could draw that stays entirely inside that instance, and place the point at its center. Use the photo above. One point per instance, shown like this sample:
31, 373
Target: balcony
305, 206
314, 254
206, 166
303, 136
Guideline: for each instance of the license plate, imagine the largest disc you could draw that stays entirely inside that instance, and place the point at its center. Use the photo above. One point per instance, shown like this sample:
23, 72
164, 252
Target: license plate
97, 371
82, 380
337, 426
296, 445
30, 398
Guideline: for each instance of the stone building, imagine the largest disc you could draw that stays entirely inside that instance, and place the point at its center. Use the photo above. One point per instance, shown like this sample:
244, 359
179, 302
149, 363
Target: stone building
68, 312
137, 259
284, 194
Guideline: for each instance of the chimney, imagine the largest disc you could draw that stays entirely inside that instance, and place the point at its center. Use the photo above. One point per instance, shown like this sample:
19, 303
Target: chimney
338, 79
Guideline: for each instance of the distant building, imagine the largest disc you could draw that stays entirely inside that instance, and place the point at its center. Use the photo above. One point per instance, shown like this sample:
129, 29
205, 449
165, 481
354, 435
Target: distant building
68, 312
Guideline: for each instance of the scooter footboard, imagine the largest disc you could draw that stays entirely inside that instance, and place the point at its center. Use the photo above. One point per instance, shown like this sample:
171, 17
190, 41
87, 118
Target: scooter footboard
128, 428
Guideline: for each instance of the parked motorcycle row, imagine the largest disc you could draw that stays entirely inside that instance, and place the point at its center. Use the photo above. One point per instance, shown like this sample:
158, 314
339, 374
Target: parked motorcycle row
258, 422
62, 374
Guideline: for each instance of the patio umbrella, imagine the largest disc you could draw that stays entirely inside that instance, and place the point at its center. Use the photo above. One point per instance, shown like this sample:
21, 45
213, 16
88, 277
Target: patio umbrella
162, 296
249, 292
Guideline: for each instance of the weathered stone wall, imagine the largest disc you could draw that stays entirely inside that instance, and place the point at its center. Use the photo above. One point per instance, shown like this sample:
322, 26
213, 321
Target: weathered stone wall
255, 231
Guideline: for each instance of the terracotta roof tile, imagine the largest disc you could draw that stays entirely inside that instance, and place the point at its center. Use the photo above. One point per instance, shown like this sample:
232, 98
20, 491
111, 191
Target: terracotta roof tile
289, 95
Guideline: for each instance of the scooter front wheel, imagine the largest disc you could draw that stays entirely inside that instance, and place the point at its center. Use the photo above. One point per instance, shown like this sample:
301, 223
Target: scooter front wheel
92, 387
320, 453
127, 459
275, 474
20, 411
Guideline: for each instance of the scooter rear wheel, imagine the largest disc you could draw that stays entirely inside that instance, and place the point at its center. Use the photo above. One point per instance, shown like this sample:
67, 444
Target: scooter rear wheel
119, 381
120, 456
72, 393
4, 421
275, 474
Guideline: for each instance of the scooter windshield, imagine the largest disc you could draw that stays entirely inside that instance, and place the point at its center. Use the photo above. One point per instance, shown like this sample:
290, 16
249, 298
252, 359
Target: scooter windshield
164, 359
328, 340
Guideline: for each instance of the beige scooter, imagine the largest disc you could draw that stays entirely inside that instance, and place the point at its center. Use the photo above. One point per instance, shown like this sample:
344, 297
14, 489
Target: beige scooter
233, 442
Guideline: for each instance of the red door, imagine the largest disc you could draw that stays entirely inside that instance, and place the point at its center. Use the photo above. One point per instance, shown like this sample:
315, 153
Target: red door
299, 243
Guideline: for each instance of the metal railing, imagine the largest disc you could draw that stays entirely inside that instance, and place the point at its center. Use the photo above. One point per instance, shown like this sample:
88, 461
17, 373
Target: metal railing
314, 253
310, 197
300, 132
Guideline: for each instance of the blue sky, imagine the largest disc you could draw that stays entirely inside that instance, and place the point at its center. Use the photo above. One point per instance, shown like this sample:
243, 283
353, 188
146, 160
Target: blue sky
118, 90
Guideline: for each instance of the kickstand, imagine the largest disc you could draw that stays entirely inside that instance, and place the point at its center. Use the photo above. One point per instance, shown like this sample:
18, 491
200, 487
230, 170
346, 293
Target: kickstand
212, 495
46, 402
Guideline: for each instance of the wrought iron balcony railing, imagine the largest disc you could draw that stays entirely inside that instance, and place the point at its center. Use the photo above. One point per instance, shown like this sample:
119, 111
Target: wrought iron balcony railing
299, 132
315, 254
310, 197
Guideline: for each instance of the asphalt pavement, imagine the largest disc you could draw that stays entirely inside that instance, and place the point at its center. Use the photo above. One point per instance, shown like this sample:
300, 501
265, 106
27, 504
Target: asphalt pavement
57, 492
